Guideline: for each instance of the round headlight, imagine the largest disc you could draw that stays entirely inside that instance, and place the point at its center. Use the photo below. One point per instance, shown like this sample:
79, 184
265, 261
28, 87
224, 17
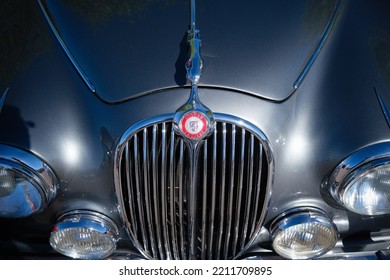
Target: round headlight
303, 233
84, 235
369, 192
27, 185
361, 183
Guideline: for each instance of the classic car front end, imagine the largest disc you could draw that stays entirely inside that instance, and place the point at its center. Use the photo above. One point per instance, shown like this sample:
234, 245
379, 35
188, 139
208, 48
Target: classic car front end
179, 130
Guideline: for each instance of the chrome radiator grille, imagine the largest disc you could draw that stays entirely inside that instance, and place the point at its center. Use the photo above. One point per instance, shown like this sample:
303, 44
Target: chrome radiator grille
223, 198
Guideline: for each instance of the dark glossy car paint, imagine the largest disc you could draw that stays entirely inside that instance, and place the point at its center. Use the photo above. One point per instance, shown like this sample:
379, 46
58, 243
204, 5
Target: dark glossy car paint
316, 98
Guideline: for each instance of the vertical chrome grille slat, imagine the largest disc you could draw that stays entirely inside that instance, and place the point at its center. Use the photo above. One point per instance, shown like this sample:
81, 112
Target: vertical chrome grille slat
258, 187
163, 198
130, 193
156, 191
181, 207
137, 173
192, 195
204, 203
222, 196
249, 192
214, 216
172, 205
239, 192
213, 196
230, 192
145, 169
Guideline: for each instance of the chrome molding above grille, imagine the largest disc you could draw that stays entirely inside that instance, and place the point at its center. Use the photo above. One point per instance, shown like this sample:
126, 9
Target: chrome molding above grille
174, 207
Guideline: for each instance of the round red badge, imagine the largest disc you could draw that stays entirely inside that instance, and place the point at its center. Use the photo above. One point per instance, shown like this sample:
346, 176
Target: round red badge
194, 125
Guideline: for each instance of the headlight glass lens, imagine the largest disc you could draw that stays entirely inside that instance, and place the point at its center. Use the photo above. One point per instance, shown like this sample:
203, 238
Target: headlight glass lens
19, 197
303, 235
369, 193
84, 236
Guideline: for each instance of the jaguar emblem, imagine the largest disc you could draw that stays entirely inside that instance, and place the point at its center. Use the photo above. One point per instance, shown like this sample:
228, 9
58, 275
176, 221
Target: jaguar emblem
194, 125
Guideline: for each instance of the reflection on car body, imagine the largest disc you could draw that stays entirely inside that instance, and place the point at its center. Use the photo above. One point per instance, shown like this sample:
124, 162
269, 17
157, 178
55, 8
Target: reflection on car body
179, 129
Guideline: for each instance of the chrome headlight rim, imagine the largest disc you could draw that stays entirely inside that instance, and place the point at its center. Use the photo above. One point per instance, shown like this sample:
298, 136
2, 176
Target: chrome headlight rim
33, 170
92, 221
355, 167
300, 216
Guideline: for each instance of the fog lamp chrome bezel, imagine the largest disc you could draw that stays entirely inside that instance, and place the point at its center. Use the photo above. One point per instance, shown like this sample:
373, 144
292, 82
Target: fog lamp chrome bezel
284, 224
81, 224
37, 176
355, 167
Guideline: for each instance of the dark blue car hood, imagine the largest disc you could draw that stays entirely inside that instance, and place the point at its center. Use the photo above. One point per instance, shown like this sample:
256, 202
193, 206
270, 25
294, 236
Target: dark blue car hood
130, 48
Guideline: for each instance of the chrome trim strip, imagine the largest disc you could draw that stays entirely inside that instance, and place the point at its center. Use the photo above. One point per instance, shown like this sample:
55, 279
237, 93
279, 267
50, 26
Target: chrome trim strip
68, 53
320, 45
2, 100
193, 13
384, 107
380, 236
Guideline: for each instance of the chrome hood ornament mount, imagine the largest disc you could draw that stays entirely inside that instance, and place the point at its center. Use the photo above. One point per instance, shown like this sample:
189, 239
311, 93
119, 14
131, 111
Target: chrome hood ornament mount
195, 122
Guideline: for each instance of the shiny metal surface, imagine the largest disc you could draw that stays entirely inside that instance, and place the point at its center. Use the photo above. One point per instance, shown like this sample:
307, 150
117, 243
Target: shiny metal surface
82, 223
327, 235
354, 165
194, 63
34, 170
187, 193
87, 219
194, 106
193, 67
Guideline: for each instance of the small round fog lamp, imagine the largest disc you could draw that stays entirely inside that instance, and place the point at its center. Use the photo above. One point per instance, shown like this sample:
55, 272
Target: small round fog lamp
84, 235
303, 233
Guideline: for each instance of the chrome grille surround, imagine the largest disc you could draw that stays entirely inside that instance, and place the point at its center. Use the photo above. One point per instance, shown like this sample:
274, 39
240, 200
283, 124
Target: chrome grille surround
154, 177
